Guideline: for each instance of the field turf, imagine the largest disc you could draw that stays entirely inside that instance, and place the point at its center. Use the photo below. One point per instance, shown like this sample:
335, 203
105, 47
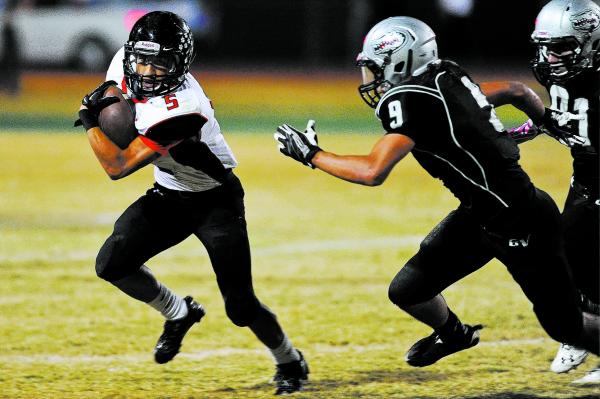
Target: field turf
324, 252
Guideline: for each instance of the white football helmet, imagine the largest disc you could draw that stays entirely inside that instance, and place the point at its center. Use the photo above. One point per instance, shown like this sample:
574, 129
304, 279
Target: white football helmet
567, 40
394, 50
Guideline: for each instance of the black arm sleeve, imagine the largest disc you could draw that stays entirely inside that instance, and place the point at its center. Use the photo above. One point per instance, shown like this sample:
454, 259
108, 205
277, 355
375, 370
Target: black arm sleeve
176, 129
196, 154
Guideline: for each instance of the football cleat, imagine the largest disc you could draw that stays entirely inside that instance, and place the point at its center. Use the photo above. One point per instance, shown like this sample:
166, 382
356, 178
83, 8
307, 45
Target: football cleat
589, 306
592, 377
174, 330
290, 377
568, 358
430, 349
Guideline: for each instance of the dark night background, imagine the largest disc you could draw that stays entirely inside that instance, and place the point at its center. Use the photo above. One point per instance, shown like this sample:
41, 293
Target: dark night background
329, 33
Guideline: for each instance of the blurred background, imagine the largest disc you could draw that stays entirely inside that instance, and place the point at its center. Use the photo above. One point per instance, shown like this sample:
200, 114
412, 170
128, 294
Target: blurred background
53, 51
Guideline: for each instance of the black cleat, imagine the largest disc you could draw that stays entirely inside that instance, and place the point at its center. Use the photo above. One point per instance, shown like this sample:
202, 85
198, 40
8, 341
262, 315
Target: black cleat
430, 349
589, 306
174, 330
290, 377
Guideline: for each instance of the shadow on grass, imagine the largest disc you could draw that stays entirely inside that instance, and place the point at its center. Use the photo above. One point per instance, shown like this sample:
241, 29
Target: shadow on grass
320, 388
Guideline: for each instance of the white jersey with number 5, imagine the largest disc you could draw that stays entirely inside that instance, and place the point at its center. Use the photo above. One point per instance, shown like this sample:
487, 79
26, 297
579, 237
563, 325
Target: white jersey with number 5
210, 147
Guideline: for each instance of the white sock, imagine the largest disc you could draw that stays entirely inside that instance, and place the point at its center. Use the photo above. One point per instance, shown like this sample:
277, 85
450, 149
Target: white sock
285, 352
171, 305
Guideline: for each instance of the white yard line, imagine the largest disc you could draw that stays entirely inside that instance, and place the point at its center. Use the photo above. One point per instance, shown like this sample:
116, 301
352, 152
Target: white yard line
225, 352
311, 246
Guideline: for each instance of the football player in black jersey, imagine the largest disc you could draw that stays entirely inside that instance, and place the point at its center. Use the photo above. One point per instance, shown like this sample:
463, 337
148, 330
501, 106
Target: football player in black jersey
196, 192
567, 64
432, 109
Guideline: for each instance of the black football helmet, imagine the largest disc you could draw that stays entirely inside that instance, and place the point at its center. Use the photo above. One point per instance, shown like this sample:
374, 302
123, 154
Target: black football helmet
163, 39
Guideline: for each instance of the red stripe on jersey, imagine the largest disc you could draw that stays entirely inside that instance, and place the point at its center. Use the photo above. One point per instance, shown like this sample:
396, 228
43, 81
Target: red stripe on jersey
142, 100
154, 145
161, 149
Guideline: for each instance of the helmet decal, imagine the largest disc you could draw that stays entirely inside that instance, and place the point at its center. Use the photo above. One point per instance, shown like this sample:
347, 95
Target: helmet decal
150, 47
586, 21
543, 34
389, 43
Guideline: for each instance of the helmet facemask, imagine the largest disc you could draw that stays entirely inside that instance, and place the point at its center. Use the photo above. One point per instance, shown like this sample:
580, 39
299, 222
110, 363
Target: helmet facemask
559, 59
374, 83
167, 63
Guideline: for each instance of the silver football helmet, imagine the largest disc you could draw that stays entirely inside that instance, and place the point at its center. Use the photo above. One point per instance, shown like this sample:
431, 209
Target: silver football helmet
567, 40
394, 50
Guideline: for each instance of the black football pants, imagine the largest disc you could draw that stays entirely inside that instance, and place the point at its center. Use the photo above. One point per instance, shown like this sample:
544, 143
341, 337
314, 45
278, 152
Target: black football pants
531, 248
581, 221
163, 218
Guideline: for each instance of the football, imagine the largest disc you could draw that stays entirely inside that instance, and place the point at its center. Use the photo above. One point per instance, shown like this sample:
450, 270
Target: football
117, 120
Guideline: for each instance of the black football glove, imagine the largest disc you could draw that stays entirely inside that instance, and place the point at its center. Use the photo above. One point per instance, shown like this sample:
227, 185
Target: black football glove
301, 146
95, 102
554, 122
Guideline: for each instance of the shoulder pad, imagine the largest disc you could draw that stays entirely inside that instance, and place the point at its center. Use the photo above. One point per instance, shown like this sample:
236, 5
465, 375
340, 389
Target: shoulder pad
396, 91
155, 110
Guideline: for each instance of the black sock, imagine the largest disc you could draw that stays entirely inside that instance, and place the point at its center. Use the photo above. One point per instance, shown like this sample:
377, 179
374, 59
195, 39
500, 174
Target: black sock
452, 328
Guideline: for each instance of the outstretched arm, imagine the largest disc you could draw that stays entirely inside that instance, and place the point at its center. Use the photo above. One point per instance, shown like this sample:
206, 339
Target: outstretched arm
369, 170
515, 93
542, 120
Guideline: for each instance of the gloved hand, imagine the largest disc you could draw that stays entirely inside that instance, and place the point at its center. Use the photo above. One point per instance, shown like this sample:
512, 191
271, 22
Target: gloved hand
95, 102
525, 132
301, 146
554, 122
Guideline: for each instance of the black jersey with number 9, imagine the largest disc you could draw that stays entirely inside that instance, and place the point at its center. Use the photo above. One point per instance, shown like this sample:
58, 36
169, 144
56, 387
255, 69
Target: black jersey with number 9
458, 139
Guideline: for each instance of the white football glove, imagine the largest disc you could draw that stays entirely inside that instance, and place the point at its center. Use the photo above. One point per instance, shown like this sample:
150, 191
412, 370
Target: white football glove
301, 146
555, 124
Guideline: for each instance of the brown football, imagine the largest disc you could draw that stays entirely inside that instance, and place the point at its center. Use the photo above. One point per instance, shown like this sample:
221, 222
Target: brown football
117, 120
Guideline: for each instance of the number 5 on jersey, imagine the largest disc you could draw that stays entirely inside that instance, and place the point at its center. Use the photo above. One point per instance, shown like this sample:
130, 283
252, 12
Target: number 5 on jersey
171, 101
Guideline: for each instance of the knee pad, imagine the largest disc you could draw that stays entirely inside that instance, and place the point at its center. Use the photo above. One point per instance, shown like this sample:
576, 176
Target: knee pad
110, 263
242, 309
409, 286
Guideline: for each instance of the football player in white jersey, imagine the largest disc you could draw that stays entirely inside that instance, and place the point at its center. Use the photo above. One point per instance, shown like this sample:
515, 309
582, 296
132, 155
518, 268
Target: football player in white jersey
195, 192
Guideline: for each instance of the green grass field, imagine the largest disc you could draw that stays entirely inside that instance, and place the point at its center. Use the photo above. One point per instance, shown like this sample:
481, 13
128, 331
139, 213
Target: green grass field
324, 252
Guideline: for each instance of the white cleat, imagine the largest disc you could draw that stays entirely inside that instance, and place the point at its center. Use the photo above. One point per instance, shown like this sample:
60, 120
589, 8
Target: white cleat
567, 358
591, 378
